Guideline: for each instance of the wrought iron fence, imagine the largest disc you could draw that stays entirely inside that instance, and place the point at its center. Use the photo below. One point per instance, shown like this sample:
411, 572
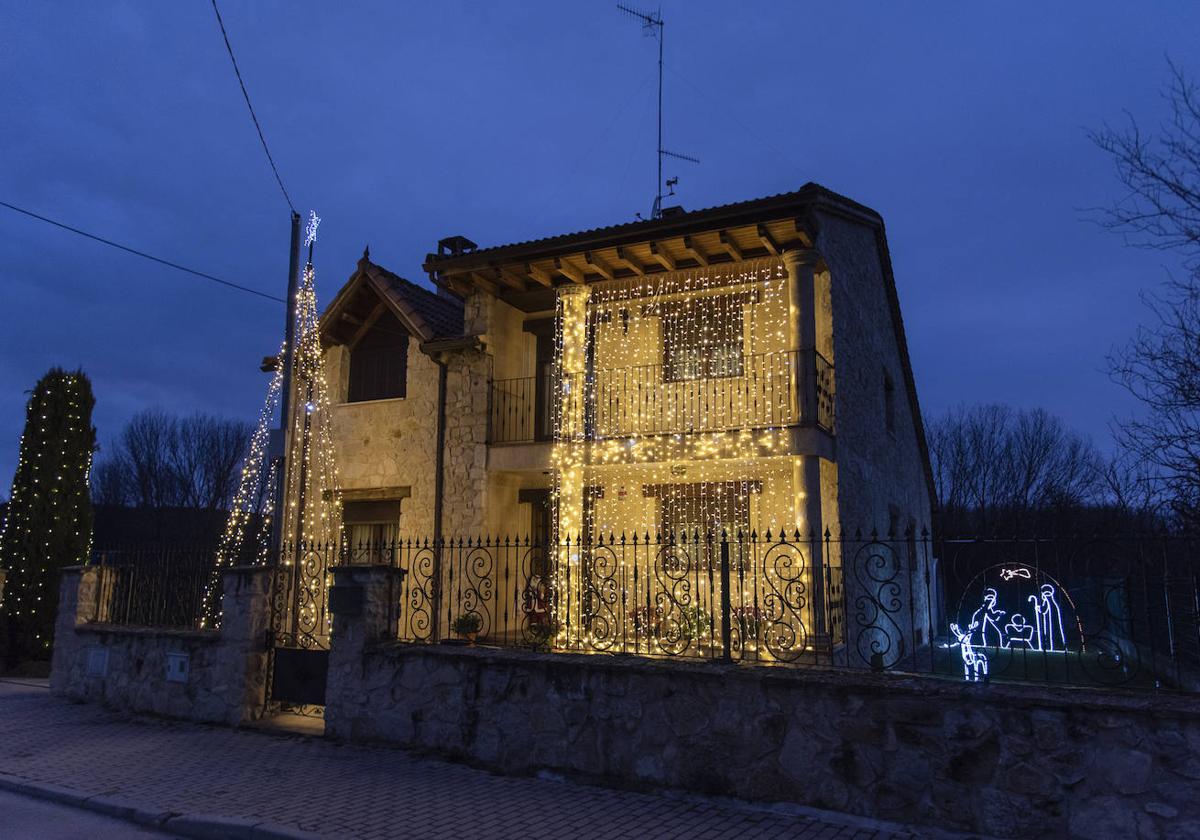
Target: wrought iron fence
1101, 612
153, 586
1066, 611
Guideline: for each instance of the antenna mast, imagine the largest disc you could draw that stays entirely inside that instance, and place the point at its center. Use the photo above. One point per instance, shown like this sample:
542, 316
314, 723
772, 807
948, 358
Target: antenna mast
649, 22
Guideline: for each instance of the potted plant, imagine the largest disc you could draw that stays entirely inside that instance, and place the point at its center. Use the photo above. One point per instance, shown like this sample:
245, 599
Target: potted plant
467, 626
542, 633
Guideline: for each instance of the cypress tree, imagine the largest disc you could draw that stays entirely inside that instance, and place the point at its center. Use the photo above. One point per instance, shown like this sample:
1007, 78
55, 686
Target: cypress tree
49, 523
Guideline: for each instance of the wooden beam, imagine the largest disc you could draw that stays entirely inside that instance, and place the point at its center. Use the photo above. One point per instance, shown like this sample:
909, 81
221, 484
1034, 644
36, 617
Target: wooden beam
768, 241
508, 279
627, 260
567, 270
366, 325
597, 266
731, 246
692, 250
483, 282
457, 285
352, 318
539, 275
658, 252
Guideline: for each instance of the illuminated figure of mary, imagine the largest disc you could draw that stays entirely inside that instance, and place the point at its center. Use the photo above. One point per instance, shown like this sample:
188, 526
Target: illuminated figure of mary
988, 619
1048, 628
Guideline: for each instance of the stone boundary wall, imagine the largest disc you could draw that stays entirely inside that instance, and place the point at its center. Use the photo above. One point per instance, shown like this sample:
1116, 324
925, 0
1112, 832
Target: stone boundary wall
226, 668
1002, 760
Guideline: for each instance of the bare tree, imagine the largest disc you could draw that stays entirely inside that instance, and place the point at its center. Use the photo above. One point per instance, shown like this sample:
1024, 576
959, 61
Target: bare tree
160, 461
997, 467
1161, 365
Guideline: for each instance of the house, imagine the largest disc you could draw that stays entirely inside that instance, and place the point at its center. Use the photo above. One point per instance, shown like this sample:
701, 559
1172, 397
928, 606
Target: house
741, 369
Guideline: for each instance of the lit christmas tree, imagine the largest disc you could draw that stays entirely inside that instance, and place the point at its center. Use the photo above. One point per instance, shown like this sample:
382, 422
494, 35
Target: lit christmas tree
311, 506
49, 522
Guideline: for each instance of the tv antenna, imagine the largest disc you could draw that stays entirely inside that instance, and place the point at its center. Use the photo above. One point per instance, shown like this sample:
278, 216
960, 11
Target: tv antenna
653, 25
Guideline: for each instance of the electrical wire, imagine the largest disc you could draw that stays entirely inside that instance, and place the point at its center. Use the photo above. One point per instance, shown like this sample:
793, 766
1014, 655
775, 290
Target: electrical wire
253, 116
142, 254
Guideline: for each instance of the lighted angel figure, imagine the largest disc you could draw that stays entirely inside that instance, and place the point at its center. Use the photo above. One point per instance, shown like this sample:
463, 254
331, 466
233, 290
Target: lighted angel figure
1049, 633
975, 662
988, 619
1019, 632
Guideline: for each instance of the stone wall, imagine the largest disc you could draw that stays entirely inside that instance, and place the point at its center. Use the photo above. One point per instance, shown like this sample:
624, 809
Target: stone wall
1002, 760
126, 667
878, 471
468, 378
880, 480
389, 443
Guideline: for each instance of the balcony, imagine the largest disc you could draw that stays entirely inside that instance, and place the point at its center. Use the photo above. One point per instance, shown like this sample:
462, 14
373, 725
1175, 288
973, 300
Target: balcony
762, 391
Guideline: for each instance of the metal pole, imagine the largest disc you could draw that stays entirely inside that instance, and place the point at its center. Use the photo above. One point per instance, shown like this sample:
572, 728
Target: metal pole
285, 397
289, 327
658, 185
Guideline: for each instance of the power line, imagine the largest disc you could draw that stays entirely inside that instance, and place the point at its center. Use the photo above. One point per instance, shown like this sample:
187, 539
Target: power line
253, 116
142, 254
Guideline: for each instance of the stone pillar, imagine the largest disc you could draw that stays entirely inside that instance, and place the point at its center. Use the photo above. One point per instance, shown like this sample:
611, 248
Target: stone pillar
83, 598
801, 268
570, 446
242, 653
813, 527
365, 603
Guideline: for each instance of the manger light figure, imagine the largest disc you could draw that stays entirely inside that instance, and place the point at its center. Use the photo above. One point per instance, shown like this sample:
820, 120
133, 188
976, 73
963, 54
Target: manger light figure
1048, 627
975, 663
1019, 632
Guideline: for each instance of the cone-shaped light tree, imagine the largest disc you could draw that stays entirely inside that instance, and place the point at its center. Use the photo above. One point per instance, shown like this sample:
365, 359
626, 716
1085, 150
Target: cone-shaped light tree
309, 512
49, 523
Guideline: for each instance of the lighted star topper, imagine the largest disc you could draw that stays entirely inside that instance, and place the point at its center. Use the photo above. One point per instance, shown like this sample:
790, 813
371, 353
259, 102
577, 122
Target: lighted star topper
310, 231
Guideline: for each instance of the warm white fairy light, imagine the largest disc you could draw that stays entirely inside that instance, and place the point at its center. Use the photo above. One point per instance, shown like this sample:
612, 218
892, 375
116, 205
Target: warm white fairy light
693, 377
310, 465
48, 479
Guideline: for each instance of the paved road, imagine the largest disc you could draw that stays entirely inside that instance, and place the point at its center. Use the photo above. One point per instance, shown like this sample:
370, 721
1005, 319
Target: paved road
24, 817
344, 790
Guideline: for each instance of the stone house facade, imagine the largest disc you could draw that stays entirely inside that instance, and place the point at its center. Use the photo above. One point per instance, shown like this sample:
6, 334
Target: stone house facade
815, 278
741, 369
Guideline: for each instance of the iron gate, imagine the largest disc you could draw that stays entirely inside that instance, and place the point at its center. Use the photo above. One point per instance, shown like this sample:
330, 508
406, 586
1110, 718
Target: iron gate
299, 630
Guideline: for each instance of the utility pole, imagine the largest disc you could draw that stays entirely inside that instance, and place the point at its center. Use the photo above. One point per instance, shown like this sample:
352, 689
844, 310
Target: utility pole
280, 442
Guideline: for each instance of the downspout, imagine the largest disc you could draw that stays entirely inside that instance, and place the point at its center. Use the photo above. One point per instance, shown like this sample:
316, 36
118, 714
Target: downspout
439, 478
439, 482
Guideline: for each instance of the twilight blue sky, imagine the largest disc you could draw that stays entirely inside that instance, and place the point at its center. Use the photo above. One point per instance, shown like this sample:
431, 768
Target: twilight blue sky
964, 125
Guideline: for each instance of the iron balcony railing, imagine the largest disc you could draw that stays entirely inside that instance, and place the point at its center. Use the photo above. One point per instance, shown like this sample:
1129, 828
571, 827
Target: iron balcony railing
521, 410
762, 390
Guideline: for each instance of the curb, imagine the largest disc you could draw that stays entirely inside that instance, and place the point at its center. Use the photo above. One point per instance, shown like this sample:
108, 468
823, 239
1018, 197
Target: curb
198, 826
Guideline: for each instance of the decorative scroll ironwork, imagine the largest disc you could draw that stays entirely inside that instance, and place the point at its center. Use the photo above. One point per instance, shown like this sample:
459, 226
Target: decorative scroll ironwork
1098, 612
786, 578
878, 604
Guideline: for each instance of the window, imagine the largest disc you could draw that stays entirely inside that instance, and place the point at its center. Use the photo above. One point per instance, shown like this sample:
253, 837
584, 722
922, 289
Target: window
702, 338
379, 363
371, 529
889, 402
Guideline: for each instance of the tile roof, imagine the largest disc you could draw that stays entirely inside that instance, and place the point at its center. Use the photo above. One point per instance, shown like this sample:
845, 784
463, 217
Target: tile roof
441, 314
647, 227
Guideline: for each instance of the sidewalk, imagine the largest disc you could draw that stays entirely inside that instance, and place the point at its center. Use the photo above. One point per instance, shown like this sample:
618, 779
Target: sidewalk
156, 770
